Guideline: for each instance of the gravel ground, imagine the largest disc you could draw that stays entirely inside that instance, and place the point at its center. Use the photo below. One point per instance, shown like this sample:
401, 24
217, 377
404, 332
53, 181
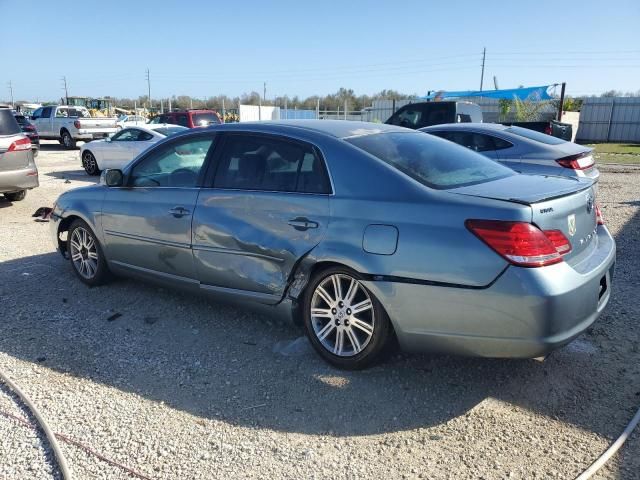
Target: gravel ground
181, 387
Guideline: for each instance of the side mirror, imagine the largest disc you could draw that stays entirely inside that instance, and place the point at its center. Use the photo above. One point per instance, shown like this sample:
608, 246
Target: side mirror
113, 177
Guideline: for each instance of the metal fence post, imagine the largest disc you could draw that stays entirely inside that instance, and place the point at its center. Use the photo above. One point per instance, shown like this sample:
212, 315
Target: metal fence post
613, 102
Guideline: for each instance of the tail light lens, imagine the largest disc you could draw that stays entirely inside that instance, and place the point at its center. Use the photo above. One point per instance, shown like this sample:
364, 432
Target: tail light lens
521, 243
599, 217
558, 240
581, 161
19, 145
76, 124
548, 130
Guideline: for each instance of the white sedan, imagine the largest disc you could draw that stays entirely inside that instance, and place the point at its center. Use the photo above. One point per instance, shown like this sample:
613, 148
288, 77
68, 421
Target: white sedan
124, 146
130, 121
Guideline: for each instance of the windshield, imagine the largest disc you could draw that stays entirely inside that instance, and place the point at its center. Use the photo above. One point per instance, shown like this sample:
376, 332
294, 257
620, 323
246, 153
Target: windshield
204, 119
533, 135
168, 131
431, 161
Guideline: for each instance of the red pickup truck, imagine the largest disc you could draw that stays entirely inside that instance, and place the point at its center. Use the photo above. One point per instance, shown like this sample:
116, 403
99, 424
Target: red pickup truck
189, 118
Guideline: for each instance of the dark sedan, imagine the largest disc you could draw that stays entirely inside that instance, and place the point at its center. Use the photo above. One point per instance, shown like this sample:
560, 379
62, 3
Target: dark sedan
29, 129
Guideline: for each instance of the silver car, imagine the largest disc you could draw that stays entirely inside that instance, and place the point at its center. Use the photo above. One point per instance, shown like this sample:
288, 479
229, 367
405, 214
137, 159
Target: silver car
521, 149
18, 172
359, 232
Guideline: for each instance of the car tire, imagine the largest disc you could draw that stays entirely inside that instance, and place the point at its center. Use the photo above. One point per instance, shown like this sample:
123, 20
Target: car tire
16, 196
330, 303
89, 163
67, 140
86, 255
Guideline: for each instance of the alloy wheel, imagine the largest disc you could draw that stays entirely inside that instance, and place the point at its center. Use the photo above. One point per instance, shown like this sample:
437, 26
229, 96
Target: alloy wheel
84, 253
342, 315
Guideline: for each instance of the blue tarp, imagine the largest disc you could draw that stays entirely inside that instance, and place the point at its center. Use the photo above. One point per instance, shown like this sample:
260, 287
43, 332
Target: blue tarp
529, 93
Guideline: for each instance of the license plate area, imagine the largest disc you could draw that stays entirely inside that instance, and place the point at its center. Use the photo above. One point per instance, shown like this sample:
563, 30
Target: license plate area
99, 135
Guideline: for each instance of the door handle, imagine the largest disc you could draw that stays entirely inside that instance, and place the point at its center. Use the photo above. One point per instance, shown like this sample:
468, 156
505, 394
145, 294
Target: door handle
179, 212
302, 223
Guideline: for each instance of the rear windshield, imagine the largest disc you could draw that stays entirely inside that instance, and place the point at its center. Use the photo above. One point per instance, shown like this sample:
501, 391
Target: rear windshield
21, 119
168, 131
204, 119
431, 161
8, 124
537, 136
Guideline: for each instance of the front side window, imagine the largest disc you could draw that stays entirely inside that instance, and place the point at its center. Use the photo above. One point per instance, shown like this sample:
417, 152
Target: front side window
126, 135
434, 162
265, 163
37, 113
177, 165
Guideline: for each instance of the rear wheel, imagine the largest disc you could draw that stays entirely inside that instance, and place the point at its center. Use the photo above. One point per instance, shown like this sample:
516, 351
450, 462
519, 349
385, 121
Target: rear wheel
89, 163
86, 256
67, 140
16, 196
345, 322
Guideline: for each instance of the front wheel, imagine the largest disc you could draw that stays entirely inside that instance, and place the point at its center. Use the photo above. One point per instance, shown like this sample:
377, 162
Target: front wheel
16, 196
89, 163
87, 258
345, 322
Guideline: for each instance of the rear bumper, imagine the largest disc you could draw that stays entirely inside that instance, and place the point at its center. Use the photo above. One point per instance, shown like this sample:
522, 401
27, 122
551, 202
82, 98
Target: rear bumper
525, 313
87, 134
16, 180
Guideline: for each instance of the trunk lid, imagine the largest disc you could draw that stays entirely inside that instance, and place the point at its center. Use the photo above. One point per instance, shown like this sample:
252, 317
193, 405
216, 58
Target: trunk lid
557, 203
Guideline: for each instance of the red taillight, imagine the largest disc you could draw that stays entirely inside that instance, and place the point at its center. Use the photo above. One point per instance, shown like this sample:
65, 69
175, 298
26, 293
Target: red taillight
520, 243
19, 145
558, 240
548, 130
581, 161
599, 217
76, 124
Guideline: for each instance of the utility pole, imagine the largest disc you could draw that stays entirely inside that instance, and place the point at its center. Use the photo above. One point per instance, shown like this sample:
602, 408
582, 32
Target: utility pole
11, 90
66, 91
484, 56
149, 88
264, 93
564, 84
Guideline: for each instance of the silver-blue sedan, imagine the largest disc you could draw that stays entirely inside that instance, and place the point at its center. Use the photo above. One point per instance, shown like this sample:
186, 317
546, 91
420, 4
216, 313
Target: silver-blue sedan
359, 232
521, 149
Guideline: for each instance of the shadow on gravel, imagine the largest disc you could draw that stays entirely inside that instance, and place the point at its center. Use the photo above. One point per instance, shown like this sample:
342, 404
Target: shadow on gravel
77, 175
55, 147
217, 361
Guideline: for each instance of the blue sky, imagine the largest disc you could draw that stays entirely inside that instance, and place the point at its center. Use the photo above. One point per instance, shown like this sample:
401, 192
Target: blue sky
205, 48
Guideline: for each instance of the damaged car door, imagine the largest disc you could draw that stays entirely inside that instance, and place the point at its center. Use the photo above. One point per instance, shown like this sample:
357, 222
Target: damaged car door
267, 207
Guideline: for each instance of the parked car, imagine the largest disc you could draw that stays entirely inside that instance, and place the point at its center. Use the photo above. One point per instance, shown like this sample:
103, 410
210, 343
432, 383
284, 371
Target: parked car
521, 149
130, 121
422, 114
30, 131
18, 171
70, 124
358, 231
189, 118
124, 146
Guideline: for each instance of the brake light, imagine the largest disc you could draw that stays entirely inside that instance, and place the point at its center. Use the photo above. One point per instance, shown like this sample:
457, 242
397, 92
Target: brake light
581, 161
558, 240
548, 130
599, 217
76, 124
519, 243
20, 145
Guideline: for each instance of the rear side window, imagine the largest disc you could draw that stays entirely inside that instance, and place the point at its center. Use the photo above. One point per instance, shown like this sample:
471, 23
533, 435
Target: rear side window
501, 144
533, 135
8, 124
46, 112
252, 162
431, 161
181, 119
